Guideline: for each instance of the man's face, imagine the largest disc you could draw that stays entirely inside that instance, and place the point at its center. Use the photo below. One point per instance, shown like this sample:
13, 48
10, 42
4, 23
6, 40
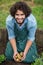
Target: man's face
19, 16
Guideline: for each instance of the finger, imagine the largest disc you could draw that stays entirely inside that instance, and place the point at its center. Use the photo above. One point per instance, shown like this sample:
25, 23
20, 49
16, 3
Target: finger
22, 58
14, 58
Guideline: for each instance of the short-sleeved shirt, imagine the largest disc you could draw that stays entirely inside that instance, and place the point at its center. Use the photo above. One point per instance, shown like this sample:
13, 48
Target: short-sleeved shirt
29, 22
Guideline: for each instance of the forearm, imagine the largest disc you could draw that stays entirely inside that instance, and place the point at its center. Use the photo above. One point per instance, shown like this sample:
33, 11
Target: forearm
13, 44
28, 45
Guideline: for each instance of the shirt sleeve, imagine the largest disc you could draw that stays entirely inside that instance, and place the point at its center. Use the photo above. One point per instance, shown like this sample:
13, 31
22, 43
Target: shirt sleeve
32, 27
10, 28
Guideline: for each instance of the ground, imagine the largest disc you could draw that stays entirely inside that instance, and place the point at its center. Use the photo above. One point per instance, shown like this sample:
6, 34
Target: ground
13, 63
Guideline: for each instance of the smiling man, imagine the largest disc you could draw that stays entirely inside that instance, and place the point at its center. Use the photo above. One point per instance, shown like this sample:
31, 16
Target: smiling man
21, 26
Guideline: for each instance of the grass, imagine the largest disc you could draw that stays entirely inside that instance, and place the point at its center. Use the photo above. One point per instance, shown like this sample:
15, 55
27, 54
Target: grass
38, 13
5, 5
39, 2
39, 60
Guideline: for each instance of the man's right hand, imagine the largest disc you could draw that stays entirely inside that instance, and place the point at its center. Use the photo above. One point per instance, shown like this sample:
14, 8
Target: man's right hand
14, 56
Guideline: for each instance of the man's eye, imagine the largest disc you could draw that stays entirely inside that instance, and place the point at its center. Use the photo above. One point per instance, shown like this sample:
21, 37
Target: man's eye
22, 14
17, 14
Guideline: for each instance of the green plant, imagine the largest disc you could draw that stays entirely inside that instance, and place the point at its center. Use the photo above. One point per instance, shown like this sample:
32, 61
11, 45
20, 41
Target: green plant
38, 61
2, 58
39, 2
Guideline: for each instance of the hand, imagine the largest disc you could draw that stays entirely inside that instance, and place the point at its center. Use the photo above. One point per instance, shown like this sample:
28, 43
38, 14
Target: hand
24, 56
14, 55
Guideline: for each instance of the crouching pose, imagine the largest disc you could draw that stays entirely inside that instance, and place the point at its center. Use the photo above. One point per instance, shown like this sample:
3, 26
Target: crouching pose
21, 26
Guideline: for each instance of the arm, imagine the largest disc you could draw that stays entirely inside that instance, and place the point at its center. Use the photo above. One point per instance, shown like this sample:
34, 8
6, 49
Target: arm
28, 45
31, 36
11, 34
13, 44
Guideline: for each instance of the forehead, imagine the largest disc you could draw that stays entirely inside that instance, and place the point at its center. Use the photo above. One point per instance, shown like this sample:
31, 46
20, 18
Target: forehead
19, 12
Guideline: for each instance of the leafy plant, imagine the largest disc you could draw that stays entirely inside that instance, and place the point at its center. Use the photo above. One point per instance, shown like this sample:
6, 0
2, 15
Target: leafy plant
38, 61
2, 58
39, 2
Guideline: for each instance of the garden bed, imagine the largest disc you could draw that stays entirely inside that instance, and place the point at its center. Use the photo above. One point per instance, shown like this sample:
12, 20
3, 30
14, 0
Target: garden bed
4, 39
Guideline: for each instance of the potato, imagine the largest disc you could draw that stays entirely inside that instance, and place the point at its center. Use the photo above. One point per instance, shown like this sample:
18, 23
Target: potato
17, 60
18, 55
21, 54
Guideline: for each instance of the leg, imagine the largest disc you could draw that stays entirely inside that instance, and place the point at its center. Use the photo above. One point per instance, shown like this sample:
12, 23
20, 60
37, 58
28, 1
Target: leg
9, 52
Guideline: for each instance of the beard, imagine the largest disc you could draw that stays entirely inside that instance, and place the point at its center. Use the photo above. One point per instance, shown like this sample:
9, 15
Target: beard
20, 23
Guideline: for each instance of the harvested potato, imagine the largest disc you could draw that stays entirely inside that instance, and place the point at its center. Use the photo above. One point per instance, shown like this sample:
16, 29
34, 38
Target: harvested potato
17, 60
18, 55
21, 54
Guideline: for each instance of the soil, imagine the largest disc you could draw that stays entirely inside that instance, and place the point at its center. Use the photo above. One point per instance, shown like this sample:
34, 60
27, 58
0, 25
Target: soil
14, 63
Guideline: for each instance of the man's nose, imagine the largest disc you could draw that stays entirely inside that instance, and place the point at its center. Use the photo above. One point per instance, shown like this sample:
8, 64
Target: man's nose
19, 16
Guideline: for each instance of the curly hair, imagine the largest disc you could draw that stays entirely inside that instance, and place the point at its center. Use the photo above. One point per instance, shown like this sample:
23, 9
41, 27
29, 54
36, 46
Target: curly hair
20, 6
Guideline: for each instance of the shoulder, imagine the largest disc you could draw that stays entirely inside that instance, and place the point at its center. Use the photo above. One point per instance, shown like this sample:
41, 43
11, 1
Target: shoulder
32, 20
10, 20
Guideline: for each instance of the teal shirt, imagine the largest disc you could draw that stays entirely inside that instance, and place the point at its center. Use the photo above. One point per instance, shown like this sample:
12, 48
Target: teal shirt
30, 21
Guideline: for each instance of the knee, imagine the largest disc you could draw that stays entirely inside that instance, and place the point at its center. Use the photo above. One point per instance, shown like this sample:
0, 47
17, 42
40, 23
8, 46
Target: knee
8, 56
